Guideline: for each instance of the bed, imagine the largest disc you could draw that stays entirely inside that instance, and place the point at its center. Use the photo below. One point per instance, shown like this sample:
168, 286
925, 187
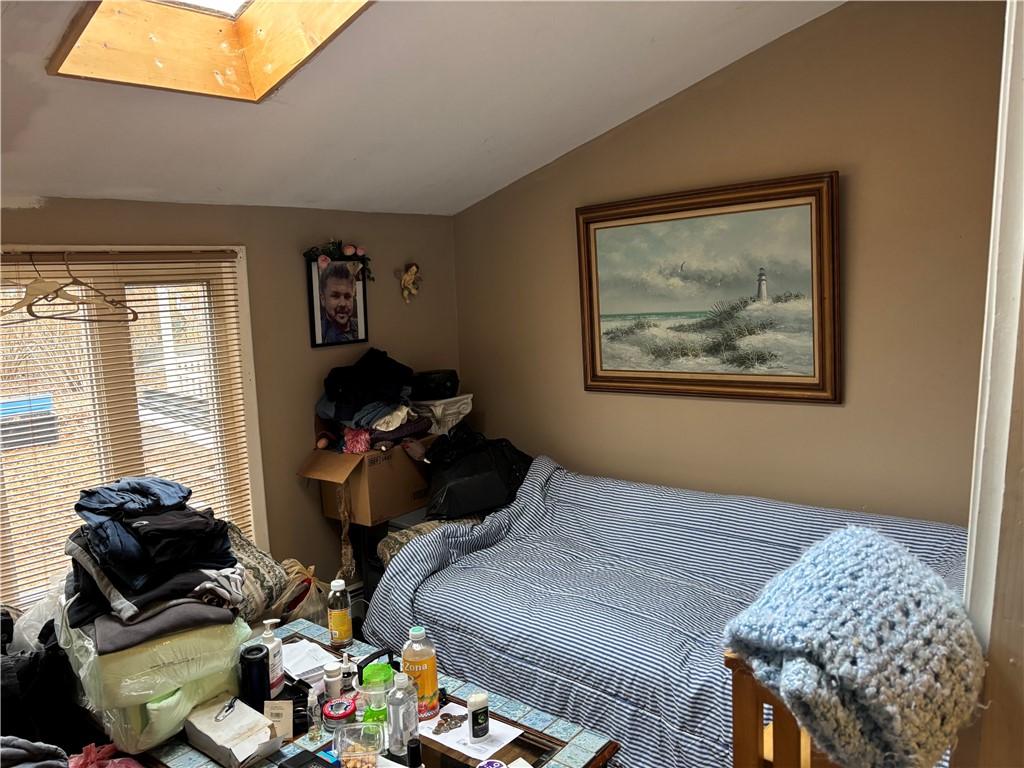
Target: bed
604, 601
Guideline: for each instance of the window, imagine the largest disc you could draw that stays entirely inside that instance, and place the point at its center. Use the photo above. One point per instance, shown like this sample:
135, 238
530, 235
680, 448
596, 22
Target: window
226, 48
227, 8
85, 401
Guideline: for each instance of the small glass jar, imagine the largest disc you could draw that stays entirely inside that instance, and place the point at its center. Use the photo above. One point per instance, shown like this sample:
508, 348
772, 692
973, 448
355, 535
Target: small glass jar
339, 712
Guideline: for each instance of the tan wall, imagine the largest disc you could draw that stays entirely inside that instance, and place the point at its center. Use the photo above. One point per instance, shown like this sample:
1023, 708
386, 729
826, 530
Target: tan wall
289, 373
901, 100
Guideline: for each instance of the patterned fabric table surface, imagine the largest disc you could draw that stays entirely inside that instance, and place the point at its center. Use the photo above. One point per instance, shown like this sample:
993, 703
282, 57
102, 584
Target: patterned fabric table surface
582, 744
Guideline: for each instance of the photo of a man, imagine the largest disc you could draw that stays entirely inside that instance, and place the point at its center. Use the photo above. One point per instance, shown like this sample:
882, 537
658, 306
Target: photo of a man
338, 303
339, 295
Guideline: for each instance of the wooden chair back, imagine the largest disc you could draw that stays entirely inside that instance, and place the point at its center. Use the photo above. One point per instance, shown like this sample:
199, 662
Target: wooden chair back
780, 744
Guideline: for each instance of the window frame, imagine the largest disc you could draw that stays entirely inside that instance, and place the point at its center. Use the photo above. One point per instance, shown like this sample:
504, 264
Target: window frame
254, 454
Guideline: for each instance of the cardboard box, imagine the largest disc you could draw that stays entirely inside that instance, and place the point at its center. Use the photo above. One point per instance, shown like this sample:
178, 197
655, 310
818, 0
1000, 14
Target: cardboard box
242, 738
370, 488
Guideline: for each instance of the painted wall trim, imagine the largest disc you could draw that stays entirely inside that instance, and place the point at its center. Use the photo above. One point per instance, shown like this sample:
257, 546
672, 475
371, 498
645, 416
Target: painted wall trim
260, 526
999, 344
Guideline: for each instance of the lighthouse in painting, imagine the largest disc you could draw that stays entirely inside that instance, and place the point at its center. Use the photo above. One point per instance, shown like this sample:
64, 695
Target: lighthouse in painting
762, 286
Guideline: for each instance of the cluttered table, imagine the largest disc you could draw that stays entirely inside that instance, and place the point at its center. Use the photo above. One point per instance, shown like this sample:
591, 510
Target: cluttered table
520, 736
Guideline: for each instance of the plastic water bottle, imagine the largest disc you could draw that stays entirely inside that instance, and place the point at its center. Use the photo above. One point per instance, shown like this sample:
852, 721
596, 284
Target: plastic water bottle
403, 722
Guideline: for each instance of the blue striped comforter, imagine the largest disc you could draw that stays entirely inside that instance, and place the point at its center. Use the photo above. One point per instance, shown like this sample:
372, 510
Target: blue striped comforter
604, 601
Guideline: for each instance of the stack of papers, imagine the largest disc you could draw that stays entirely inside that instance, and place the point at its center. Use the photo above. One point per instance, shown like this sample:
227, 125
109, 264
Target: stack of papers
304, 660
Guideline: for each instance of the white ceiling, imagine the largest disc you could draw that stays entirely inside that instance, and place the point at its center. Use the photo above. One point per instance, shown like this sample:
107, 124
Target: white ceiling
418, 107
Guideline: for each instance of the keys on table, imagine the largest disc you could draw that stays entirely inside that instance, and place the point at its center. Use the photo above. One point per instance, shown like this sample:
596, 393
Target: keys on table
449, 722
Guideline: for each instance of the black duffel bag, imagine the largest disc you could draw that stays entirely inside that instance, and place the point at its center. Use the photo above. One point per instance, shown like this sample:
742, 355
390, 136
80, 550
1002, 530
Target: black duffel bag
435, 385
471, 475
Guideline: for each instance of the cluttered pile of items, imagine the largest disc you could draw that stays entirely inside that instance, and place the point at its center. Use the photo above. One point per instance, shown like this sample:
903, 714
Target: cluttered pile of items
378, 402
150, 621
294, 703
145, 561
151, 632
390, 441
340, 711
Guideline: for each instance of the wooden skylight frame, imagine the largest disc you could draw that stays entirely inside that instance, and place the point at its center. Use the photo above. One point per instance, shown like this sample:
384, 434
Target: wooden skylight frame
179, 48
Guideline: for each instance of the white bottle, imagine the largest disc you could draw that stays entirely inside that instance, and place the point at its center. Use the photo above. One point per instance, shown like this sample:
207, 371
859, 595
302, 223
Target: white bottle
403, 720
479, 716
276, 656
332, 679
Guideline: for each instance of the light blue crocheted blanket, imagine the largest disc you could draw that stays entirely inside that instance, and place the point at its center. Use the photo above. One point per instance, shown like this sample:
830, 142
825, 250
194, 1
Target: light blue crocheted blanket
869, 649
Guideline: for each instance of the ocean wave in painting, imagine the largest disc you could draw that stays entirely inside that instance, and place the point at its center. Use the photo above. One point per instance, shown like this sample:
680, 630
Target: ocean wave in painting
773, 337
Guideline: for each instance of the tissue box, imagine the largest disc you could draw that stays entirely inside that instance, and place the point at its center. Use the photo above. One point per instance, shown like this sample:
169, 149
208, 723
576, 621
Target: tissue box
242, 738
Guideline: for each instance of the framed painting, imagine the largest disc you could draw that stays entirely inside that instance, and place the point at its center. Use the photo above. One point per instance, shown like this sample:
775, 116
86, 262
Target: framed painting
724, 292
337, 300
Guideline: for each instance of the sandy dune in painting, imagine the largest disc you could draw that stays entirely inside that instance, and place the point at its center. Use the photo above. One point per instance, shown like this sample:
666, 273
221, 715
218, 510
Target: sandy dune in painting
725, 293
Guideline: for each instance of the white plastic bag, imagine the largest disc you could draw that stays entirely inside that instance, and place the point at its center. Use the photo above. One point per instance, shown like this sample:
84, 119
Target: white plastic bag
140, 728
313, 605
26, 629
155, 668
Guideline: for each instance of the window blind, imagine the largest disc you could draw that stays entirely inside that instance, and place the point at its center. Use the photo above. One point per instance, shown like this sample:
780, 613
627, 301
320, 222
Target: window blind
90, 398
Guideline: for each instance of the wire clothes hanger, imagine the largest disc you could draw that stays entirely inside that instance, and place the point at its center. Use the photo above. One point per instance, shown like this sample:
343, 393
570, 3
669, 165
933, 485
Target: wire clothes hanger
70, 307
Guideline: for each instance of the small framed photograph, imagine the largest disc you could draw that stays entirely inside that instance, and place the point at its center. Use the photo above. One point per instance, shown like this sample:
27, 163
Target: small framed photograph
337, 301
725, 292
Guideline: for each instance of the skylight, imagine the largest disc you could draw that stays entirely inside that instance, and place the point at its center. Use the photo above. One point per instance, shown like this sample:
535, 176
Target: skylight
228, 8
235, 49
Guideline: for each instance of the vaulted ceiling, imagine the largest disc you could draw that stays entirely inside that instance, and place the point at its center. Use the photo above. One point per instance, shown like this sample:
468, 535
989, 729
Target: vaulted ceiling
417, 107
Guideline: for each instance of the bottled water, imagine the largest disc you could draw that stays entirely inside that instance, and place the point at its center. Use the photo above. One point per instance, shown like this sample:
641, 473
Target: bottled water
403, 721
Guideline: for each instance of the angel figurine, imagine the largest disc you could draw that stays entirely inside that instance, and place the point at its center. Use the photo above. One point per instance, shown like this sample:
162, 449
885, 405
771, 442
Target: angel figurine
410, 280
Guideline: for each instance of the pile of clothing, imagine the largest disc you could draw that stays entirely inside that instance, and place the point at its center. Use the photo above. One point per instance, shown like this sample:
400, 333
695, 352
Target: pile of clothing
150, 619
15, 751
143, 553
368, 405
